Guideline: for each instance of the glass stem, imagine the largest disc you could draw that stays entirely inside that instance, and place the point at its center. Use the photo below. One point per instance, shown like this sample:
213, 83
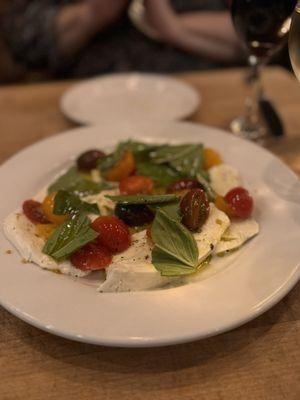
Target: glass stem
252, 102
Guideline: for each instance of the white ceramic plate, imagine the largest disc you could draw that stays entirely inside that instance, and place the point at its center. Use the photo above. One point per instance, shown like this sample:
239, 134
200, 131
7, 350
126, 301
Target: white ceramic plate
129, 97
234, 290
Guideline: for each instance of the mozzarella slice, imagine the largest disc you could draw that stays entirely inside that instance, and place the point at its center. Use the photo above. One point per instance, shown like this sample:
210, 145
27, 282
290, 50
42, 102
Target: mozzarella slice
22, 234
106, 206
211, 232
132, 270
223, 178
236, 235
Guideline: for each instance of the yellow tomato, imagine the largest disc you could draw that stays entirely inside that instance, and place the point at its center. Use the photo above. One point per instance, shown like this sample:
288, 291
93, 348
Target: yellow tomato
222, 205
122, 169
47, 207
211, 158
45, 230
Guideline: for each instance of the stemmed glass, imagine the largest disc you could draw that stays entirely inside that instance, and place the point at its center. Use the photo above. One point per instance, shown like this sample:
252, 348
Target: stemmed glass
263, 26
294, 41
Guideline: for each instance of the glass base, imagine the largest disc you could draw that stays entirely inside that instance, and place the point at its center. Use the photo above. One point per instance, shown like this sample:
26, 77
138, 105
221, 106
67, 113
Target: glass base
246, 129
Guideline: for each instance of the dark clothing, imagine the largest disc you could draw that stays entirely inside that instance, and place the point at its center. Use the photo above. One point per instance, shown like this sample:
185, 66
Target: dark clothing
28, 28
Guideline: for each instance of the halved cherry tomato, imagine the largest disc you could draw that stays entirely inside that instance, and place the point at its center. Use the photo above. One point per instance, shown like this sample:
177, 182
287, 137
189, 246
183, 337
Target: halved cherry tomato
91, 257
194, 207
211, 158
113, 233
183, 184
88, 160
47, 207
241, 202
222, 205
123, 168
33, 211
136, 185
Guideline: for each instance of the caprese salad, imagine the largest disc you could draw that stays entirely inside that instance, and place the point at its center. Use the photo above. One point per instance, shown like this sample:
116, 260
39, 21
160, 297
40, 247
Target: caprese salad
146, 214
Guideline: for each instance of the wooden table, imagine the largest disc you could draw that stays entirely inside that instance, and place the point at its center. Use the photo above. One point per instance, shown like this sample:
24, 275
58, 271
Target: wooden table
259, 361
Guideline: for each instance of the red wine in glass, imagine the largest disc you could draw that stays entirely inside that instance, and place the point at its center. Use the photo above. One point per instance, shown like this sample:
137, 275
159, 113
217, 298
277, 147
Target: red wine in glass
263, 26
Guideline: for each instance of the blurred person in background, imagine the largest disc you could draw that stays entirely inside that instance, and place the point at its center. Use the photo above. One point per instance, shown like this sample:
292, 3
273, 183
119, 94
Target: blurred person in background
88, 37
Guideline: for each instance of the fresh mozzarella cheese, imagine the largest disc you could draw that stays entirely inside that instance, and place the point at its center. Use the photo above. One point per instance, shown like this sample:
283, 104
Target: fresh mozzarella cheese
236, 235
211, 232
132, 270
223, 178
106, 206
22, 234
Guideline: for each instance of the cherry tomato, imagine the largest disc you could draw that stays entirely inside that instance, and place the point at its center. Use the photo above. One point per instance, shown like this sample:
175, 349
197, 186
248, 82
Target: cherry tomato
241, 202
88, 160
45, 230
136, 185
91, 257
222, 205
113, 233
134, 214
182, 185
123, 168
33, 211
47, 207
195, 209
211, 158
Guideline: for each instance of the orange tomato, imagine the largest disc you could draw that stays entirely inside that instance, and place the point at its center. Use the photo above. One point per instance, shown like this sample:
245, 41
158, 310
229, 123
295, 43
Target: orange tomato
211, 158
136, 185
47, 207
45, 230
122, 169
222, 205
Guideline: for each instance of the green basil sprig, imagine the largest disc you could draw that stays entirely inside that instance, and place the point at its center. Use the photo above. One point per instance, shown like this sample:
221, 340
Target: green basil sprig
73, 181
69, 237
144, 199
186, 159
175, 252
161, 174
68, 203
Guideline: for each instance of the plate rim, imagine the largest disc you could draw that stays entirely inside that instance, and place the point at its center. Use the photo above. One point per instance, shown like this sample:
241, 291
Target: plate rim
150, 342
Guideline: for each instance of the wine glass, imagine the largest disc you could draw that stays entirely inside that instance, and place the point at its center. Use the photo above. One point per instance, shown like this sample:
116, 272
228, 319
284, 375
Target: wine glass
263, 26
294, 41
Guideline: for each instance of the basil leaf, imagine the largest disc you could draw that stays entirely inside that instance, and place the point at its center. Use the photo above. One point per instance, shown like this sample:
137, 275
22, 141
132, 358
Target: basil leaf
168, 265
68, 203
168, 153
140, 151
206, 186
144, 199
73, 181
186, 159
173, 240
162, 175
171, 209
69, 237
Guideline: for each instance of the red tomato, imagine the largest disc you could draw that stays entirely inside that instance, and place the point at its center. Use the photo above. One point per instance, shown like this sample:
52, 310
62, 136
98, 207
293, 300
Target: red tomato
113, 233
91, 257
240, 201
33, 211
136, 185
183, 184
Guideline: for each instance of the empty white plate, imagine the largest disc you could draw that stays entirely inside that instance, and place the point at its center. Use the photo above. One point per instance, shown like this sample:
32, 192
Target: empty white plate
228, 293
129, 97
